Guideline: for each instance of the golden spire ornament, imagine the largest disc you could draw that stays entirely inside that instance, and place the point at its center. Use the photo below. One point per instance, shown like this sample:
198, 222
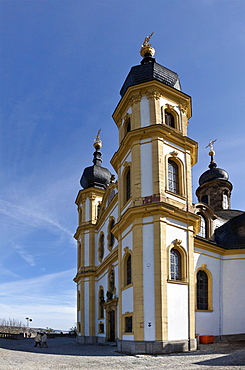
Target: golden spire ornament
98, 141
146, 48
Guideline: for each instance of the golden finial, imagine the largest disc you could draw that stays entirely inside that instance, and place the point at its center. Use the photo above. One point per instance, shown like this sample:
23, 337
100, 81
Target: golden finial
146, 48
97, 141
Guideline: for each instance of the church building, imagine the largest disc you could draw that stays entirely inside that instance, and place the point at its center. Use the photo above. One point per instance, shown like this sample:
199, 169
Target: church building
155, 270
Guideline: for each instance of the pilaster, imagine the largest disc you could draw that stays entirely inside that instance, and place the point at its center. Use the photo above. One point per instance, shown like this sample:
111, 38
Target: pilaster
137, 271
136, 171
91, 306
135, 118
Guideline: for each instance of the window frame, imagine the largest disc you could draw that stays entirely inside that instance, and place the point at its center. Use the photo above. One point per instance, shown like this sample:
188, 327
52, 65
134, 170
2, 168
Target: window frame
202, 291
225, 200
203, 233
174, 179
125, 316
125, 281
128, 324
127, 184
169, 119
100, 326
175, 265
169, 109
210, 289
176, 245
128, 269
173, 157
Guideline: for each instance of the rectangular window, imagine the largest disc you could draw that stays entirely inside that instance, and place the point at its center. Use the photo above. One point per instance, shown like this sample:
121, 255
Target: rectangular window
173, 177
128, 324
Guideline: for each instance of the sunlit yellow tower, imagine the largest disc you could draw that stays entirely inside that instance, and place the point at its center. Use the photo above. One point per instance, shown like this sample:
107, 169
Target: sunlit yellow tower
156, 222
136, 256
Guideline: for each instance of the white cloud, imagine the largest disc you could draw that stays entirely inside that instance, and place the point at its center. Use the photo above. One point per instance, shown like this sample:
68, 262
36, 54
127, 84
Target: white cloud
6, 272
27, 216
26, 256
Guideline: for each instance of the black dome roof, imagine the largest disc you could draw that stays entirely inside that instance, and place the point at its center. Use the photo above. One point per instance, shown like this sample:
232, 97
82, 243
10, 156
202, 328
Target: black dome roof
213, 174
149, 70
96, 176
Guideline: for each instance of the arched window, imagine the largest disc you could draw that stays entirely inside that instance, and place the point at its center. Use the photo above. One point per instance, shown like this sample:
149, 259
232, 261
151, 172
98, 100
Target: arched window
101, 303
225, 200
173, 177
203, 228
127, 185
175, 264
101, 246
128, 270
202, 290
169, 119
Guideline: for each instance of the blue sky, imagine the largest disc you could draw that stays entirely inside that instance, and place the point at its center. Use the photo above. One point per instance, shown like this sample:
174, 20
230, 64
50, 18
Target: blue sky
62, 66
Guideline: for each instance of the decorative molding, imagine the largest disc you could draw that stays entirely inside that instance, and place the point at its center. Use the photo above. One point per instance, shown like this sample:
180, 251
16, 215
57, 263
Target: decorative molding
153, 94
111, 305
127, 116
135, 99
126, 164
170, 107
177, 242
183, 108
174, 153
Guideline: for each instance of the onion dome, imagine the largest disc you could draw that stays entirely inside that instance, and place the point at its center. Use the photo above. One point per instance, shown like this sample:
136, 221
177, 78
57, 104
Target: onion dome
149, 70
214, 188
213, 173
96, 176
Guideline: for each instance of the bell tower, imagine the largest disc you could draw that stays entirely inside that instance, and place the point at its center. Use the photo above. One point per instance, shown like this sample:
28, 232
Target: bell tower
95, 179
156, 222
215, 189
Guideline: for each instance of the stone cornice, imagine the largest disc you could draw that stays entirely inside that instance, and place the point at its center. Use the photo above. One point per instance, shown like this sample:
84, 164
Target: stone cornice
158, 131
85, 227
160, 208
95, 271
87, 193
209, 246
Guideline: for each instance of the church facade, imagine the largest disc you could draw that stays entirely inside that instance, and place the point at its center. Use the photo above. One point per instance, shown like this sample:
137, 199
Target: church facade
154, 270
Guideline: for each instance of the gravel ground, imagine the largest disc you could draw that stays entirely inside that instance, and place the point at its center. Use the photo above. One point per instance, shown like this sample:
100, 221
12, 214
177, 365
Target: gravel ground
64, 353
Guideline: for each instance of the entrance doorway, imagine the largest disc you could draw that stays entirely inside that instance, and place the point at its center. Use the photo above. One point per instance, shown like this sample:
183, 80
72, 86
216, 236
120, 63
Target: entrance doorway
111, 315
